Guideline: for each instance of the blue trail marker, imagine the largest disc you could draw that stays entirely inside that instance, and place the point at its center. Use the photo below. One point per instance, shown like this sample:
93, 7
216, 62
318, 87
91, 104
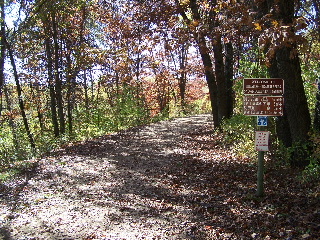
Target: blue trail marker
262, 121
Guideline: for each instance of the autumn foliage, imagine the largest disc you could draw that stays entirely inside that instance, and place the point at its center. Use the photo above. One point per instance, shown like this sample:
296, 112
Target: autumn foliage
78, 69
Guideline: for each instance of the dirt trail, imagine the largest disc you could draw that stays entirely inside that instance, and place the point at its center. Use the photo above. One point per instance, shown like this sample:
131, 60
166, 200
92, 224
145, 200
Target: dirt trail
120, 186
168, 180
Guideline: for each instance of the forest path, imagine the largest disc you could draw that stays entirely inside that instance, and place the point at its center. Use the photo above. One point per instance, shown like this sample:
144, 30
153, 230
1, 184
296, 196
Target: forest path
167, 180
120, 186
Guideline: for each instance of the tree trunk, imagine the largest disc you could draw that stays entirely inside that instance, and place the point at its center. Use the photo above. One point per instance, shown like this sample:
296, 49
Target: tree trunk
2, 49
205, 56
229, 78
183, 77
286, 65
86, 96
295, 102
57, 78
223, 62
71, 87
282, 124
19, 91
211, 81
12, 124
316, 122
36, 95
207, 63
222, 96
316, 5
52, 91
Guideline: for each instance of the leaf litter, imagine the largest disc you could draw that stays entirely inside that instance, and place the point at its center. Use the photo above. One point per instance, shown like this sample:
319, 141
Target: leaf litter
168, 180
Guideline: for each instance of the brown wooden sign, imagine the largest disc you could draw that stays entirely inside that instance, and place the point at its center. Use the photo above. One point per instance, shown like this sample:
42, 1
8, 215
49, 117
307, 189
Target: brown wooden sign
263, 86
263, 105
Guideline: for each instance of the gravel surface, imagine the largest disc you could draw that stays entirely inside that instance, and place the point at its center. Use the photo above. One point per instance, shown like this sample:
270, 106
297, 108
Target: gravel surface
119, 186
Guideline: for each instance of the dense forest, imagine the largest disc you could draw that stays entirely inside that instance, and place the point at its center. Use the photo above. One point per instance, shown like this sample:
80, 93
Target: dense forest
73, 70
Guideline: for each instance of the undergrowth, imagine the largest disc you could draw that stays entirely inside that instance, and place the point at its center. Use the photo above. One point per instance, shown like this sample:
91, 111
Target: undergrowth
125, 111
312, 171
238, 132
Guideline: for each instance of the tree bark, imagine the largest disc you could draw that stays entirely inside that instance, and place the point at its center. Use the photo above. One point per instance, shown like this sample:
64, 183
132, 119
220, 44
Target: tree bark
210, 78
71, 84
12, 124
316, 122
222, 96
282, 124
295, 99
229, 77
223, 62
207, 62
19, 91
316, 5
2, 49
86, 95
57, 78
36, 95
52, 91
286, 65
183, 77
297, 117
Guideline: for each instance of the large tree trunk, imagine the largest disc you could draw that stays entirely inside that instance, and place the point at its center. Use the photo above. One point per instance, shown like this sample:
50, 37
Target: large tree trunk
286, 65
282, 124
294, 126
207, 63
210, 78
222, 96
295, 99
205, 56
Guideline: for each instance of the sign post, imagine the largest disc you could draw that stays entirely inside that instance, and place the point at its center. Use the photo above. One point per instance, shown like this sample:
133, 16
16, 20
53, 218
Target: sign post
262, 98
260, 174
261, 145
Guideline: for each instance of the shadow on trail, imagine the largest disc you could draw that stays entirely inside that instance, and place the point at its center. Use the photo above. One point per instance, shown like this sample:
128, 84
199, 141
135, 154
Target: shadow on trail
10, 193
169, 180
155, 164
